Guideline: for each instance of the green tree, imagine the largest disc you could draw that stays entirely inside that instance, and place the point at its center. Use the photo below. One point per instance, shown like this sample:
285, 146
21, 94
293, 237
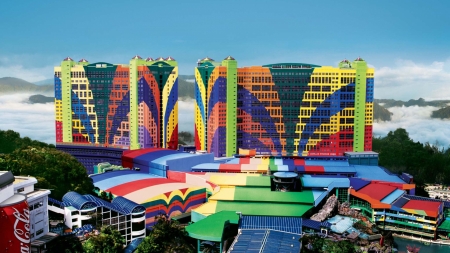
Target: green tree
312, 244
53, 169
339, 247
108, 241
166, 236
425, 162
10, 141
65, 244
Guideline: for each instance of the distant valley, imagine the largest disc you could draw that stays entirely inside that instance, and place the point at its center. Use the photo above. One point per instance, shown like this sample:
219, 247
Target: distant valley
44, 91
12, 85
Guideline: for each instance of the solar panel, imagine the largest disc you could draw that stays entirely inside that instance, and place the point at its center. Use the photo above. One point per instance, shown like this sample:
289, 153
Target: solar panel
285, 224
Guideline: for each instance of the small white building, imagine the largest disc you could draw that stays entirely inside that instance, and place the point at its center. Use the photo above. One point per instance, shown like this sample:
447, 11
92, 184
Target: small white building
121, 214
37, 200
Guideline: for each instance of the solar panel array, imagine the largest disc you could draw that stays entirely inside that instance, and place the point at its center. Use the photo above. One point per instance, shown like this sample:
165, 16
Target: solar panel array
284, 224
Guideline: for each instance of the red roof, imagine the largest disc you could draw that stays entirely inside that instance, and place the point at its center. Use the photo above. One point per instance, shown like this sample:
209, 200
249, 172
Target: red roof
430, 207
377, 191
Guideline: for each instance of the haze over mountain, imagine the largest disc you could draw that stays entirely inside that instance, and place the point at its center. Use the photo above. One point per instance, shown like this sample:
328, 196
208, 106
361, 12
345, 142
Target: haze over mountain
11, 85
50, 81
32, 114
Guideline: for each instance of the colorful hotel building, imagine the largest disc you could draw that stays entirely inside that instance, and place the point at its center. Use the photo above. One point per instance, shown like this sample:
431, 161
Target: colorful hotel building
293, 109
111, 107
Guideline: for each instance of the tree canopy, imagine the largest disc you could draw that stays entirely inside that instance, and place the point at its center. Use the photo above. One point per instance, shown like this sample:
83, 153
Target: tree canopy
166, 236
54, 170
108, 241
425, 162
10, 141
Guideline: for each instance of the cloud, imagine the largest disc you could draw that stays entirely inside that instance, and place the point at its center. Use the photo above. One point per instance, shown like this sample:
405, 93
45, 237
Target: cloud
409, 80
417, 122
186, 115
36, 121
30, 74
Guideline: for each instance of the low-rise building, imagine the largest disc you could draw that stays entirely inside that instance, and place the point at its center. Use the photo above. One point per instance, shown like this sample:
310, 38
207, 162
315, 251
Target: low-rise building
121, 214
37, 199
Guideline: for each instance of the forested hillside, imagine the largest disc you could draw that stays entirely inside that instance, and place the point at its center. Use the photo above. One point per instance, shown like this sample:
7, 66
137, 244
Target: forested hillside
426, 162
9, 85
52, 168
380, 113
443, 113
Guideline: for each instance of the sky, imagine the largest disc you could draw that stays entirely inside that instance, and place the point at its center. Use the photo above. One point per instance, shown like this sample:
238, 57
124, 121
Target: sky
407, 42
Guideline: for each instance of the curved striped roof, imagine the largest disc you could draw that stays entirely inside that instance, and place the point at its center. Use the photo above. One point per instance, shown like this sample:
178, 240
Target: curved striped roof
78, 201
127, 205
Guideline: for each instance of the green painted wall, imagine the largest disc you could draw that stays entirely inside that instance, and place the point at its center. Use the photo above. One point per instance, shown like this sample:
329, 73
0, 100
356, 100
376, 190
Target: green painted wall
360, 105
231, 106
134, 106
66, 90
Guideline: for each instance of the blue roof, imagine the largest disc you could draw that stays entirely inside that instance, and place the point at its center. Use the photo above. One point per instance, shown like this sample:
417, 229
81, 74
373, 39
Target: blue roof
316, 225
104, 203
339, 169
128, 205
284, 224
358, 183
248, 241
376, 173
414, 197
206, 166
266, 241
78, 201
393, 196
133, 245
281, 242
322, 182
447, 204
108, 175
121, 178
57, 202
400, 202
327, 163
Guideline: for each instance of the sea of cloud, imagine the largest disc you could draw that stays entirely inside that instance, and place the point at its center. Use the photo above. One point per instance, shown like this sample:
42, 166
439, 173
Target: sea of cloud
186, 115
36, 121
418, 123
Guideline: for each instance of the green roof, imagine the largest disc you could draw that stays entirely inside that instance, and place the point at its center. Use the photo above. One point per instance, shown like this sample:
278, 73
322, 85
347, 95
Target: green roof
258, 181
263, 208
266, 195
445, 225
211, 228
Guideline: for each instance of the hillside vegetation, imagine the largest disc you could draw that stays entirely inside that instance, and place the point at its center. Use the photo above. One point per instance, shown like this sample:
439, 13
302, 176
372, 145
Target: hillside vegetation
399, 153
40, 99
380, 113
10, 85
387, 103
185, 89
52, 168
443, 113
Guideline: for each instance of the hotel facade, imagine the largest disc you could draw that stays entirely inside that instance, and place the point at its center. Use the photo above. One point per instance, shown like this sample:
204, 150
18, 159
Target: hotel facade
292, 109
111, 107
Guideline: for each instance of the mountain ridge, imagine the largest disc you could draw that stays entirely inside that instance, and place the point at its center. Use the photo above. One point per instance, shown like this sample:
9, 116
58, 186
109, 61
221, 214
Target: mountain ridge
11, 85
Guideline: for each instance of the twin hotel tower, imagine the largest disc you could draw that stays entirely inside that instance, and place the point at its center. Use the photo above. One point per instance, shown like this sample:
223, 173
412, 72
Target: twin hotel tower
288, 109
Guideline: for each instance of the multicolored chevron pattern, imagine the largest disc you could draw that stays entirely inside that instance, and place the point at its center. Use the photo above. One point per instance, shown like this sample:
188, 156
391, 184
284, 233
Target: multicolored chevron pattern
215, 108
157, 194
287, 108
125, 106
